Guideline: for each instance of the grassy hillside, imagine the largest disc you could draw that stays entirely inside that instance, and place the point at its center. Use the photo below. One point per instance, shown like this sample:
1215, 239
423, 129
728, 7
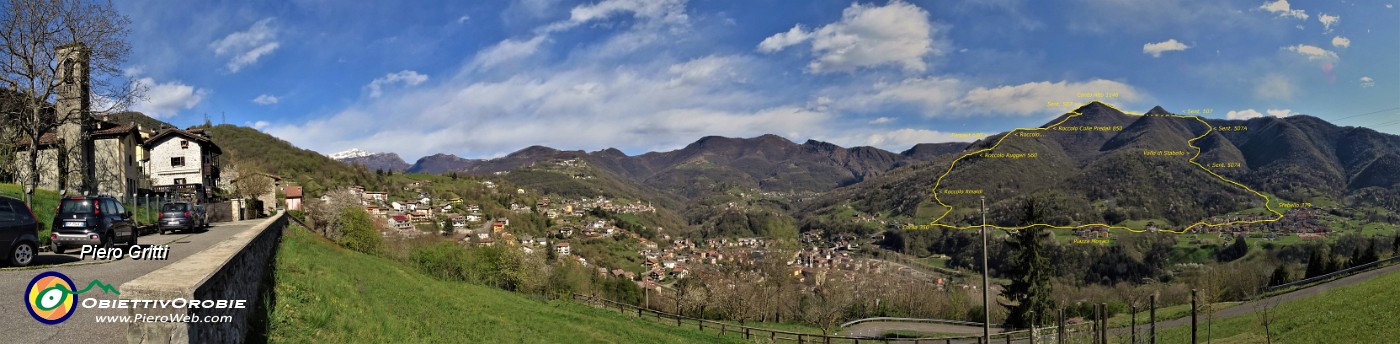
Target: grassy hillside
327, 294
1352, 314
247, 147
45, 204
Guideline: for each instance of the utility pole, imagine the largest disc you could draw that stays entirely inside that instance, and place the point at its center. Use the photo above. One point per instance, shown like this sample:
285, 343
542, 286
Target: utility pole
986, 294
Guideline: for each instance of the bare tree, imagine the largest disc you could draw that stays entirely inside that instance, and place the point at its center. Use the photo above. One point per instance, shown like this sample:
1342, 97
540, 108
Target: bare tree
251, 183
827, 304
31, 33
1261, 308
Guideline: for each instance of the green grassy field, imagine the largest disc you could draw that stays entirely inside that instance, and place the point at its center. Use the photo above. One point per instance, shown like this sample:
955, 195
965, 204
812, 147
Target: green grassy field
45, 204
1360, 313
1163, 314
326, 294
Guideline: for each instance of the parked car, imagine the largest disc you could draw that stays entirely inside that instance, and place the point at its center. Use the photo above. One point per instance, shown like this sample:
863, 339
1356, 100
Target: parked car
179, 216
202, 214
91, 220
19, 232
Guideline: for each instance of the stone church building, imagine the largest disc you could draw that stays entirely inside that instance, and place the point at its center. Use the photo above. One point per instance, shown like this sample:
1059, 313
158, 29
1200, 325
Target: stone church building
88, 154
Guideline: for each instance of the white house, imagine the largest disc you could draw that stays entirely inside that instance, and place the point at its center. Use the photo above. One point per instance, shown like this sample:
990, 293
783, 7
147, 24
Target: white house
183, 161
562, 248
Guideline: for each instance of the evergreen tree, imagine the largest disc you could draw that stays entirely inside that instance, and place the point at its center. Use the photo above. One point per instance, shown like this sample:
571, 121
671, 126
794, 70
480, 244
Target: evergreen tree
1395, 247
1280, 276
1237, 249
1355, 258
1334, 264
1370, 255
1317, 264
1030, 289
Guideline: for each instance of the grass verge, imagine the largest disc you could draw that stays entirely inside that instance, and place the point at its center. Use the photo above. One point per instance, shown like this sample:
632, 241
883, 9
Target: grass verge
1358, 313
327, 294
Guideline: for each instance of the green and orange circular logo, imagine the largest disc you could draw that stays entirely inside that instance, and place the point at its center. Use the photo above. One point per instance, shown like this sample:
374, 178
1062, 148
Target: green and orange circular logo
50, 297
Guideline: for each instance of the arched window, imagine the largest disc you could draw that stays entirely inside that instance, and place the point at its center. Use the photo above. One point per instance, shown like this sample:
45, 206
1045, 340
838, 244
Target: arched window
68, 66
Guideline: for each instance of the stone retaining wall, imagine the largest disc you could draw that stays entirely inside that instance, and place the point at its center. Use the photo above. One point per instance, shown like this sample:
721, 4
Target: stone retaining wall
234, 269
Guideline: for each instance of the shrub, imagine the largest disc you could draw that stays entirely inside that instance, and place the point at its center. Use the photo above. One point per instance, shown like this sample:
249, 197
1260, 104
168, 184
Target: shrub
358, 232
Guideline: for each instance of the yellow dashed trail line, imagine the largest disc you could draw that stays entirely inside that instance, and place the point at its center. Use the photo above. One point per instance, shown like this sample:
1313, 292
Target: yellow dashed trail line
1191, 142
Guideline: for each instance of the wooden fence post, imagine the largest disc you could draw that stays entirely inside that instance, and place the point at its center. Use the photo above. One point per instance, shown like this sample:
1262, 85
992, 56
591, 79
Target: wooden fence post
1094, 325
1193, 316
1061, 333
1132, 309
1153, 317
1103, 323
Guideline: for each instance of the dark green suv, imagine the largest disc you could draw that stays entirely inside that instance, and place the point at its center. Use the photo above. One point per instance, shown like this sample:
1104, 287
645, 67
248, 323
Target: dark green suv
91, 220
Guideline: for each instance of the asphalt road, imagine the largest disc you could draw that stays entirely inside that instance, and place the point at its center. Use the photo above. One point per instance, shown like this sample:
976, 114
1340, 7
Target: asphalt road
17, 326
1255, 306
876, 329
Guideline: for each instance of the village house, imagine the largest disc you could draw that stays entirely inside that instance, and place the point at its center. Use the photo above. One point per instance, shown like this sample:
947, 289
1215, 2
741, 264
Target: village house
293, 194
379, 196
562, 248
400, 222
183, 162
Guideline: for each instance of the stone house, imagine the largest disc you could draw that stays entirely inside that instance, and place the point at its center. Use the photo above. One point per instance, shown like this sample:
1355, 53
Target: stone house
184, 162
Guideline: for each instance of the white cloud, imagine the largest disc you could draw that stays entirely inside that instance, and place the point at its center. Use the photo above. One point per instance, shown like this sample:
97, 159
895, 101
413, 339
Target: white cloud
649, 105
1156, 49
247, 47
782, 40
1328, 21
1314, 53
405, 77
463, 19
1341, 42
260, 125
1282, 8
507, 50
932, 94
907, 137
1274, 86
881, 120
1367, 82
163, 100
1243, 114
951, 97
1250, 113
652, 12
1030, 98
704, 70
266, 99
897, 34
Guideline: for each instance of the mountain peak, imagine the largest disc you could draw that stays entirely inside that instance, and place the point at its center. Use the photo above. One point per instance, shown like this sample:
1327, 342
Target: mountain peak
1094, 107
534, 151
772, 137
613, 152
1158, 110
352, 153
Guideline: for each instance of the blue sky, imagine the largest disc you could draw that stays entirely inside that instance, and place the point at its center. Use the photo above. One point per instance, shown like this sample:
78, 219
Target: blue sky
482, 79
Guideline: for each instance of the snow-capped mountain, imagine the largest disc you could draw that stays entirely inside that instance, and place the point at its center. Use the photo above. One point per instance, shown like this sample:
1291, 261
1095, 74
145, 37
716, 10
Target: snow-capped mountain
379, 161
352, 153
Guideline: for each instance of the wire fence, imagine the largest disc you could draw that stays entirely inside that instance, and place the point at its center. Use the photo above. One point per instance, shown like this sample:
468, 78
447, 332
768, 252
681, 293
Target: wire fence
1065, 333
